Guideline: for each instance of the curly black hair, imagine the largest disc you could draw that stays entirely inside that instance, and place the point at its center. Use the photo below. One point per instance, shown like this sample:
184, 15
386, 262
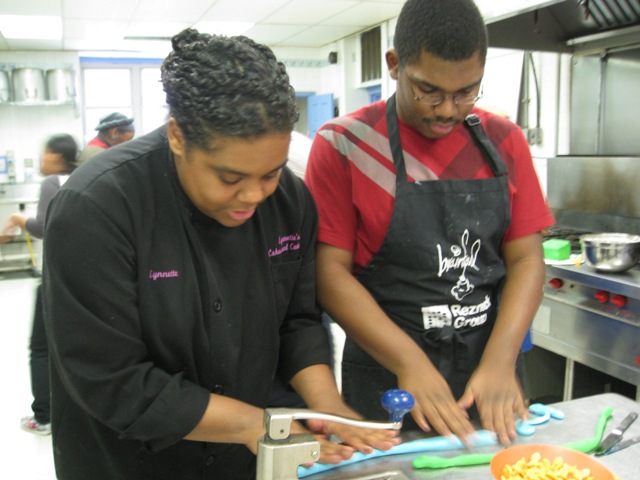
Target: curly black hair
64, 145
226, 86
453, 30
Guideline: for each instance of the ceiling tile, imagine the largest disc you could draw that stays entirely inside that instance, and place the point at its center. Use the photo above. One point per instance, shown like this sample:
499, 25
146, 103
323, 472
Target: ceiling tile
317, 36
189, 11
114, 9
104, 30
242, 10
29, 7
365, 14
90, 44
312, 23
156, 49
310, 12
137, 48
155, 29
273, 34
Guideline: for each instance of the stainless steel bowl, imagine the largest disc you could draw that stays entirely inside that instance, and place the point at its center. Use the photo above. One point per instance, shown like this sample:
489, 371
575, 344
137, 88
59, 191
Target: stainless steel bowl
611, 252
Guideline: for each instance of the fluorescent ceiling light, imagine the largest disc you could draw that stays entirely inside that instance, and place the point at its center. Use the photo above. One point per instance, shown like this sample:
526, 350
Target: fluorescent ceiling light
33, 27
224, 28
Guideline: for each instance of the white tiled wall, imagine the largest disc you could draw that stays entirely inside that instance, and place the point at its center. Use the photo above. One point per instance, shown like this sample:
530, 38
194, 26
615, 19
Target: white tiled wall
564, 98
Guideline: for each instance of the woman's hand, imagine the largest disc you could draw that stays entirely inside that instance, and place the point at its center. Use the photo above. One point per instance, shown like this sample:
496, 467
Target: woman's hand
364, 440
6, 238
11, 228
352, 439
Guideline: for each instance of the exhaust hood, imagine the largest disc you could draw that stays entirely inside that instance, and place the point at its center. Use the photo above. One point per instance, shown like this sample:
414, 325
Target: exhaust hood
568, 26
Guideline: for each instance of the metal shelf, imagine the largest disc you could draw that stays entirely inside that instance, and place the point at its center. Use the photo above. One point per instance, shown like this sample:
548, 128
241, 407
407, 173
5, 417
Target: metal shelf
40, 103
9, 201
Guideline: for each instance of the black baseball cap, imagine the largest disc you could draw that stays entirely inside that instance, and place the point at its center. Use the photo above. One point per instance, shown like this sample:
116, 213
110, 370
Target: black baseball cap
118, 120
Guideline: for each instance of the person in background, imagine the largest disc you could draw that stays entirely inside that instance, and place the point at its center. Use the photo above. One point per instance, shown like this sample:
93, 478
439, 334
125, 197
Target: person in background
180, 280
299, 149
58, 160
282, 395
113, 129
429, 251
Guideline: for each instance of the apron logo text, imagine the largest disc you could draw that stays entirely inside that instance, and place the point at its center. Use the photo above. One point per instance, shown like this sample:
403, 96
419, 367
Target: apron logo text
460, 316
463, 257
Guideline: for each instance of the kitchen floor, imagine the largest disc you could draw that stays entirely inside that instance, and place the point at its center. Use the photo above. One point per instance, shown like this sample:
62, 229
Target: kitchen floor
29, 456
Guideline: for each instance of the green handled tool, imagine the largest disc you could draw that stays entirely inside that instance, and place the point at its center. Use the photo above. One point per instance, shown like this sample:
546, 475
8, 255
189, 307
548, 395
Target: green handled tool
589, 444
427, 461
583, 446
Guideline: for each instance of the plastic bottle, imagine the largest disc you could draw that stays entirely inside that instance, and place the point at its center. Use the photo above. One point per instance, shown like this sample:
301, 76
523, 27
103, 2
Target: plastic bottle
3, 169
28, 170
11, 167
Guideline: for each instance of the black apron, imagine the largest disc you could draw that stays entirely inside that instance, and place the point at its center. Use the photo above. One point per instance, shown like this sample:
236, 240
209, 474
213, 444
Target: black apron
438, 273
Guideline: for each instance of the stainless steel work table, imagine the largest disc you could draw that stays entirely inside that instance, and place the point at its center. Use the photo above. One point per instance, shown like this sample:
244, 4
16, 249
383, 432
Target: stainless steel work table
581, 416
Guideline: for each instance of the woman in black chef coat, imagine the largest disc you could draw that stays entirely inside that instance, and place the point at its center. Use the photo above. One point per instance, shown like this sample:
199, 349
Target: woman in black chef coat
180, 283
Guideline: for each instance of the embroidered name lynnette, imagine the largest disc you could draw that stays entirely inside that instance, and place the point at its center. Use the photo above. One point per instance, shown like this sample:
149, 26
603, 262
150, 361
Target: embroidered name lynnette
156, 275
286, 243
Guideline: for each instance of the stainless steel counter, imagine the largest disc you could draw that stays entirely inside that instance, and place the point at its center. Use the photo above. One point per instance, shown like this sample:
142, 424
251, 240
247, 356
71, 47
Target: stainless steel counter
15, 255
580, 422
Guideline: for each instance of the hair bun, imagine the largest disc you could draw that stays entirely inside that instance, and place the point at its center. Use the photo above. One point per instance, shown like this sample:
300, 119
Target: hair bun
185, 38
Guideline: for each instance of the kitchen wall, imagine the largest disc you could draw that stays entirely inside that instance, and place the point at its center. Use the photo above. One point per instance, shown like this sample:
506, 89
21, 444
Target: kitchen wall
501, 89
23, 129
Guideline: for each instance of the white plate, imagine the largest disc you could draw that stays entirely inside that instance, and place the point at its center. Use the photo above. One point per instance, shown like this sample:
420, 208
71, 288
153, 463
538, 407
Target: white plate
574, 259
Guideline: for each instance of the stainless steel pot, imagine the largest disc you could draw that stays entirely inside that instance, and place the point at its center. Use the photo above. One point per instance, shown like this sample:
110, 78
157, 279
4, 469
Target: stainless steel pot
5, 87
60, 85
28, 85
611, 252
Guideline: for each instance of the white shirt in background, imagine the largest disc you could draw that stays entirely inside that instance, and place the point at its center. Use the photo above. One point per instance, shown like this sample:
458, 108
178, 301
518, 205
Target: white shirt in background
299, 149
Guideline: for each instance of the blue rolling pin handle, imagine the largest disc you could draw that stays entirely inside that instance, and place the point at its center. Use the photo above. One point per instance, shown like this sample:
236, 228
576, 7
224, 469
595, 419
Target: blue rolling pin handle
482, 438
398, 403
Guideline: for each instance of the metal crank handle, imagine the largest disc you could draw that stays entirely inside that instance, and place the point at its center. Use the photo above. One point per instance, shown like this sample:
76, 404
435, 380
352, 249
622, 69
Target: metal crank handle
277, 421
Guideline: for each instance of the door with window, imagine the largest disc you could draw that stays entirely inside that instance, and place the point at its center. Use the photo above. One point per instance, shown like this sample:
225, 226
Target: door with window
320, 109
129, 86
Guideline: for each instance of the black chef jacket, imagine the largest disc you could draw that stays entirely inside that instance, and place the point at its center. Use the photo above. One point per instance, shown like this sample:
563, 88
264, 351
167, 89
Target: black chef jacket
151, 306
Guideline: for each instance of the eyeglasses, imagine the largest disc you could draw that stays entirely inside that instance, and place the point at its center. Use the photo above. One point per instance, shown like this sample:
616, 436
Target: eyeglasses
435, 100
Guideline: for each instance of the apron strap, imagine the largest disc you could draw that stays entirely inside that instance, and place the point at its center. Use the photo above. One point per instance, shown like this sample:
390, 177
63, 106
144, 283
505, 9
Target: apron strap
394, 141
473, 123
489, 151
487, 147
